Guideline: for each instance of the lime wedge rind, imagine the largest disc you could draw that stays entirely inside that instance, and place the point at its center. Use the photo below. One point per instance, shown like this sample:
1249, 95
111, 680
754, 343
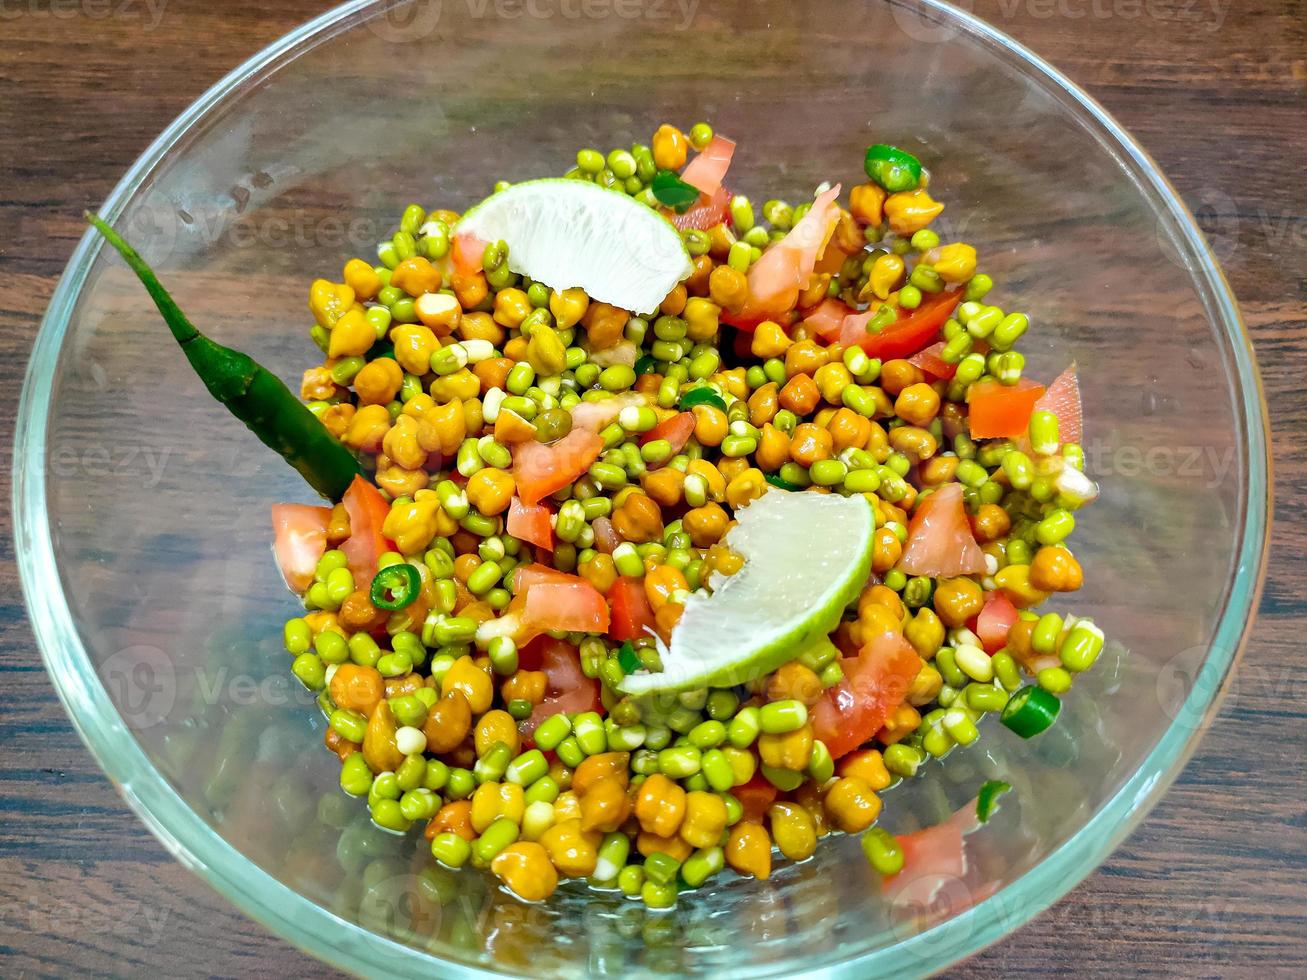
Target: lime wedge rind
566, 233
807, 556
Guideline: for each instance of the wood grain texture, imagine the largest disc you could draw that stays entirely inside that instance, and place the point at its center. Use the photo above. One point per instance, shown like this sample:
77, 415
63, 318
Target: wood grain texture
1215, 881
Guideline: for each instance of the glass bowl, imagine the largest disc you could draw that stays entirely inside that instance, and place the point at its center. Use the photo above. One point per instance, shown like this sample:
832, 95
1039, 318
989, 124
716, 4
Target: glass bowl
142, 510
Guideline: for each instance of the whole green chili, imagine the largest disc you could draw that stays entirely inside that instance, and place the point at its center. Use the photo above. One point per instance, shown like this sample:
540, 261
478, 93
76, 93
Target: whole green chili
251, 392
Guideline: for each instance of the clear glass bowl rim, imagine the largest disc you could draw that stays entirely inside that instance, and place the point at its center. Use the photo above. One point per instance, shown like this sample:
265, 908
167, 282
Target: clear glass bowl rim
264, 898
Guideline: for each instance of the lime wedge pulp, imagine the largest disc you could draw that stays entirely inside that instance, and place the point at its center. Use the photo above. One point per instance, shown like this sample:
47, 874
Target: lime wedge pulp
806, 556
567, 233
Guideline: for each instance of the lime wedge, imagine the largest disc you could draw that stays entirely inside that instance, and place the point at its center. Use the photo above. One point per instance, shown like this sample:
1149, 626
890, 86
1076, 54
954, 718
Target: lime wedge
806, 556
567, 233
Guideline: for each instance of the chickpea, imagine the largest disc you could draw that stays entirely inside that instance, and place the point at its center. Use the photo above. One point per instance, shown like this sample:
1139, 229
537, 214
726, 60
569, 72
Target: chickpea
416, 276
790, 750
748, 850
605, 805
525, 869
912, 441
702, 318
568, 306
697, 283
317, 384
379, 381
662, 583
471, 682
443, 428
470, 290
925, 632
439, 312
356, 688
990, 522
599, 571
793, 829
448, 722
660, 805
573, 850
866, 203
705, 525
886, 550
910, 211
810, 443
490, 490
337, 418
1055, 569
670, 148
495, 726
773, 449
851, 805
800, 395
368, 428
764, 403
401, 444
710, 425
848, 430
746, 486
938, 470
604, 325
794, 680
769, 340
831, 381
363, 279
665, 485
728, 288
917, 404
352, 335
898, 374
414, 345
957, 600
525, 685
380, 750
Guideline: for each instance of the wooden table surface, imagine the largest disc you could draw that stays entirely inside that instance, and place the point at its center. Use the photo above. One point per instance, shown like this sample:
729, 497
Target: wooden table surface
1214, 883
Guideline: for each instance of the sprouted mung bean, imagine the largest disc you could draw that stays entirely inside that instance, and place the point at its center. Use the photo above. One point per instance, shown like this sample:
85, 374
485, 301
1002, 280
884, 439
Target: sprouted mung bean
552, 477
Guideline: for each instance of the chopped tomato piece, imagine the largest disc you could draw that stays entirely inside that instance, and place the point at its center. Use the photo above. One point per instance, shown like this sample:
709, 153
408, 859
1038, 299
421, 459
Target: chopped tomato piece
786, 267
539, 470
597, 415
367, 511
875, 682
567, 689
933, 858
1063, 399
913, 331
530, 522
301, 539
999, 411
577, 607
755, 797
632, 617
676, 430
939, 537
535, 573
934, 365
707, 212
995, 620
826, 319
706, 171
466, 254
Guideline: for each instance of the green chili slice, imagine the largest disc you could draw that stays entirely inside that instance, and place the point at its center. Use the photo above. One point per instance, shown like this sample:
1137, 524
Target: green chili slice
628, 659
646, 364
894, 169
781, 483
252, 393
1030, 711
702, 395
670, 190
987, 798
396, 586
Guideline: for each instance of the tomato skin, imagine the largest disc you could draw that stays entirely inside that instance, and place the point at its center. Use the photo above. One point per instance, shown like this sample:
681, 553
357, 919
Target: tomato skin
940, 542
707, 212
996, 618
575, 607
300, 540
530, 522
705, 171
567, 689
875, 683
632, 616
466, 254
999, 411
934, 365
676, 430
539, 470
755, 797
912, 332
786, 267
826, 319
367, 511
1063, 399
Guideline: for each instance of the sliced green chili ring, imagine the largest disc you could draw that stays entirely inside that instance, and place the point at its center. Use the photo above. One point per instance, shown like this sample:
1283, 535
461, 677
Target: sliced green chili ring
628, 659
987, 798
894, 169
646, 364
670, 190
781, 483
702, 395
1030, 711
396, 586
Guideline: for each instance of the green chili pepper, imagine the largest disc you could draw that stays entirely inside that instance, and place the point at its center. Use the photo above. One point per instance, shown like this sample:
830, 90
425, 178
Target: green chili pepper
252, 393
396, 586
894, 169
1030, 711
646, 364
670, 190
628, 659
781, 483
702, 395
987, 798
